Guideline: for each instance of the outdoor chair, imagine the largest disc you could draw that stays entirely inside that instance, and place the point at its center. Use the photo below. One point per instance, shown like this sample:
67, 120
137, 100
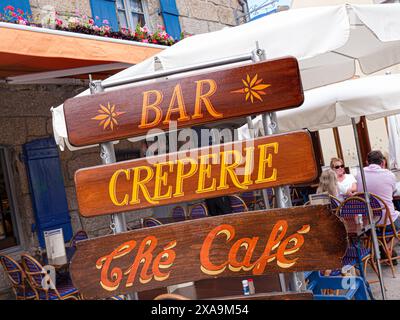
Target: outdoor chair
34, 270
351, 288
353, 211
178, 213
198, 210
151, 222
78, 236
170, 296
20, 284
297, 200
386, 238
250, 199
271, 199
237, 204
335, 203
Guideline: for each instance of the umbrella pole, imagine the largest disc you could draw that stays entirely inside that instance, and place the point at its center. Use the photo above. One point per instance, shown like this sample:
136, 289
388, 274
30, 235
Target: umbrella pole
370, 215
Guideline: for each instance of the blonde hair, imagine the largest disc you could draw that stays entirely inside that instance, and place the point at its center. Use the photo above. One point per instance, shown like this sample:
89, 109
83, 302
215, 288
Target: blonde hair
333, 160
328, 182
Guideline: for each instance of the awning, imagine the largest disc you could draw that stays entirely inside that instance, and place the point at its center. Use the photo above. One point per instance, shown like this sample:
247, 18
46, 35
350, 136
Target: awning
48, 53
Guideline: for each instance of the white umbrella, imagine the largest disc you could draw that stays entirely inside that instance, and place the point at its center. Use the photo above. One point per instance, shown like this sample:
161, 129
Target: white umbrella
325, 40
336, 104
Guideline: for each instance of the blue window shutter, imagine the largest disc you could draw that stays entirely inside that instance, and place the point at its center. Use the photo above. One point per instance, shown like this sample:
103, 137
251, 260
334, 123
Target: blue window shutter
17, 4
105, 10
170, 15
47, 189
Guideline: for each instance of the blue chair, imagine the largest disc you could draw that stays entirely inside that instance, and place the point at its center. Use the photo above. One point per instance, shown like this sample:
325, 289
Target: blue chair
21, 287
351, 287
250, 199
151, 222
178, 213
64, 289
237, 204
386, 237
198, 210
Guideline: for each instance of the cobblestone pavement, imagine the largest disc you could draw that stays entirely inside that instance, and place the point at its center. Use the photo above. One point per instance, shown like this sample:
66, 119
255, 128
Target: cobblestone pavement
392, 285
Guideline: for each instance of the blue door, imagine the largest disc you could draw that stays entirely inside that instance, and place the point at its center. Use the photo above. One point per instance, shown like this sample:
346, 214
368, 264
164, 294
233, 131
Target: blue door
47, 189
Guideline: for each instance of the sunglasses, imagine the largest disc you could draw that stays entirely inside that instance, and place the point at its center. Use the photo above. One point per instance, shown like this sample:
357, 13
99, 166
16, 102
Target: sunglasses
337, 167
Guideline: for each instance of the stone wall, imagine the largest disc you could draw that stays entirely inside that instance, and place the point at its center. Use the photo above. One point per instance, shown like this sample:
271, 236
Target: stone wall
25, 116
201, 16
196, 16
45, 8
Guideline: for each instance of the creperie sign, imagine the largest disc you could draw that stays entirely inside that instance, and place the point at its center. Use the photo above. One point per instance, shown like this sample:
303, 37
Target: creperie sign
192, 100
202, 173
251, 243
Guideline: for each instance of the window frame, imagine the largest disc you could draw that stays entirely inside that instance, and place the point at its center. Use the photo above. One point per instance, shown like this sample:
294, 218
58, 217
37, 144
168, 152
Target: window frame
129, 11
5, 160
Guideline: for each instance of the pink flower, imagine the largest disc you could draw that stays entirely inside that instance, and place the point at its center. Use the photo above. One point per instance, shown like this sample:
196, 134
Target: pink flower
97, 17
91, 21
145, 40
59, 22
11, 8
21, 12
13, 14
105, 21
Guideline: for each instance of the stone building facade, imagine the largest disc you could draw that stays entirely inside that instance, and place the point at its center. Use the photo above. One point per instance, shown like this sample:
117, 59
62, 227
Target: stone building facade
25, 116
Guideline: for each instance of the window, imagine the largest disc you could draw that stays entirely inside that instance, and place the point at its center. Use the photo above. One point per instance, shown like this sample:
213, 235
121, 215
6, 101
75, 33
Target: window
8, 225
130, 13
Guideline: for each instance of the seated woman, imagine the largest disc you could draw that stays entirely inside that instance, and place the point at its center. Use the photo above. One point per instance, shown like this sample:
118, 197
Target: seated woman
347, 184
328, 183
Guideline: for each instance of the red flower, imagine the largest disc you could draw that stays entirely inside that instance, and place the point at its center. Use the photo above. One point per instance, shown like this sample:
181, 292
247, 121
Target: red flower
11, 8
21, 12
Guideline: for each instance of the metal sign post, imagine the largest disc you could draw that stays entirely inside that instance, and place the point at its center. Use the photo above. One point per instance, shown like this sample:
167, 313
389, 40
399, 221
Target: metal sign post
107, 155
282, 194
370, 214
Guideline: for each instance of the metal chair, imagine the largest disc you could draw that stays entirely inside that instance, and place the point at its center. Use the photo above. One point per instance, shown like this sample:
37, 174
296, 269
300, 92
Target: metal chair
20, 284
198, 210
250, 199
385, 237
34, 270
335, 203
151, 222
178, 213
237, 204
354, 211
78, 236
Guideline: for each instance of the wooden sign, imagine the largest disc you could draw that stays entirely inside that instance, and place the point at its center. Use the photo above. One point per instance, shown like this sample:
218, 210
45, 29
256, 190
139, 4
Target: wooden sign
250, 243
204, 173
192, 100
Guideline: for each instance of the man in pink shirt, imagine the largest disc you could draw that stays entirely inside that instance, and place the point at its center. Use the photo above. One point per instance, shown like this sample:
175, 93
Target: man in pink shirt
381, 182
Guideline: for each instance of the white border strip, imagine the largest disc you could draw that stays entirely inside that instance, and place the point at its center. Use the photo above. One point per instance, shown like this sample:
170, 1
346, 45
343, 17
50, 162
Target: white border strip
78, 35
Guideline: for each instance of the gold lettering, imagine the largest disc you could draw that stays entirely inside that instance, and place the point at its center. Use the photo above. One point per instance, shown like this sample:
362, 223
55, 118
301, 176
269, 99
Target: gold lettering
180, 175
151, 106
225, 169
113, 186
264, 160
205, 172
205, 98
161, 180
249, 166
137, 183
178, 96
